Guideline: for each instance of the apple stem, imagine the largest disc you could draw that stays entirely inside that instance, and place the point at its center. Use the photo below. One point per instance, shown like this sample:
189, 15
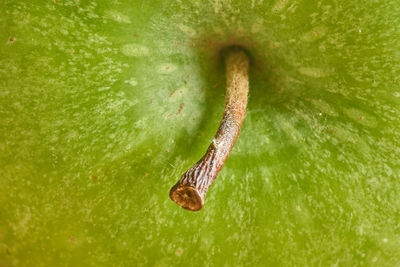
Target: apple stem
190, 191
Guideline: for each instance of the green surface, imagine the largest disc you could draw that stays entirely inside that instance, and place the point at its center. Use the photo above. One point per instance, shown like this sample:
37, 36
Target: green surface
104, 104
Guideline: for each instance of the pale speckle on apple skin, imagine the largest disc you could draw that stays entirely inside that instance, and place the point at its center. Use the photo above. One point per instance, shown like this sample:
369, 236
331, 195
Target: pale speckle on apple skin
187, 30
324, 107
135, 50
279, 5
117, 16
166, 68
314, 34
314, 72
361, 117
132, 81
257, 25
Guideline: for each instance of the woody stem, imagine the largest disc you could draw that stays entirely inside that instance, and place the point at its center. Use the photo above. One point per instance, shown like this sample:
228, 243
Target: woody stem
190, 191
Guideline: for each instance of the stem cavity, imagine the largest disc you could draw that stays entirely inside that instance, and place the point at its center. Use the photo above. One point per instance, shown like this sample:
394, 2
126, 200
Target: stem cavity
190, 191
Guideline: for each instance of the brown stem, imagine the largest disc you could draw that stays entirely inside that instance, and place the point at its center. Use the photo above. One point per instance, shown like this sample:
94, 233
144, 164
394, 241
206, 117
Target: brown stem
191, 189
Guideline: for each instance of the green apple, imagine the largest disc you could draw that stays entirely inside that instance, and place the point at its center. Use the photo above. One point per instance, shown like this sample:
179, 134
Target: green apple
104, 104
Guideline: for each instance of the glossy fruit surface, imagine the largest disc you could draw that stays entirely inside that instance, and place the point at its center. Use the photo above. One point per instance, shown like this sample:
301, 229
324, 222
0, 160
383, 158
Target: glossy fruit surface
104, 104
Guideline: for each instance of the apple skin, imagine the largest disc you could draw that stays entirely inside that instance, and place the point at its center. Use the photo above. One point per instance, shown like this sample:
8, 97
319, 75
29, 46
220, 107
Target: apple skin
104, 104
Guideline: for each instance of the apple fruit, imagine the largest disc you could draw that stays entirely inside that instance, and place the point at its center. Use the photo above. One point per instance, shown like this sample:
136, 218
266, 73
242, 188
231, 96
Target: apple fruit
104, 104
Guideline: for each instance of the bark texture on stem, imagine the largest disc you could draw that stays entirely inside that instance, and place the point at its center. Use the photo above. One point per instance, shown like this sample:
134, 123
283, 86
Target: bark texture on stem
191, 189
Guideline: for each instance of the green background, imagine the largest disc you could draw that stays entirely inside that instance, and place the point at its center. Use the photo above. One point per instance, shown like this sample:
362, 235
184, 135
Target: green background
104, 104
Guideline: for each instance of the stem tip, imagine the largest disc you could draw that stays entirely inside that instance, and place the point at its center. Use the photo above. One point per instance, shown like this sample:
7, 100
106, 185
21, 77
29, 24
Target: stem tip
187, 197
